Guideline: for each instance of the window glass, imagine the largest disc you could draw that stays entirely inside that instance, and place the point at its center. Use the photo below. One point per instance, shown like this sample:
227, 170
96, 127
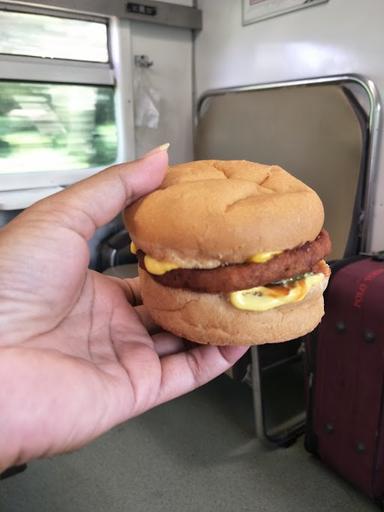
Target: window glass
47, 36
48, 127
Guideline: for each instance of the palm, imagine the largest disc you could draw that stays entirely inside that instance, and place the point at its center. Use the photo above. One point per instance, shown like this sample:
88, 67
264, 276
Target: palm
80, 354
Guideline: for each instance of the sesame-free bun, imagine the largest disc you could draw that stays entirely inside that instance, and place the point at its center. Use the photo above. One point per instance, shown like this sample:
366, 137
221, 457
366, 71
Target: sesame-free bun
211, 212
210, 318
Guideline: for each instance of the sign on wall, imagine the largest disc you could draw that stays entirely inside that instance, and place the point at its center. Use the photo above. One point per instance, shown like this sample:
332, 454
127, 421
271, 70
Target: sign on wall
257, 10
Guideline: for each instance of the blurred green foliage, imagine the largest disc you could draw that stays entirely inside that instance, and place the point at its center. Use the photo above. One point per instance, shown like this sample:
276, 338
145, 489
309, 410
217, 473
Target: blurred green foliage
55, 126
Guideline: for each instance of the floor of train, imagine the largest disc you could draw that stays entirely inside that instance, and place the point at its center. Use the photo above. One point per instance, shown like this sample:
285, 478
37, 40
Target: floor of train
194, 454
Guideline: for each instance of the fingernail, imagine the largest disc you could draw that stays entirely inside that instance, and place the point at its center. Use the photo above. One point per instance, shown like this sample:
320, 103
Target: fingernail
159, 149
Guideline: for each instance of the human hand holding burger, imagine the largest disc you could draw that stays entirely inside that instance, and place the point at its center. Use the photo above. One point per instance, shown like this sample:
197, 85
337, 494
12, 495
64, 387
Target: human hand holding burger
230, 253
78, 353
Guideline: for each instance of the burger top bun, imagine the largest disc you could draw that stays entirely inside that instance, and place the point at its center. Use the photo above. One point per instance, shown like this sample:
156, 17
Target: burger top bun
211, 212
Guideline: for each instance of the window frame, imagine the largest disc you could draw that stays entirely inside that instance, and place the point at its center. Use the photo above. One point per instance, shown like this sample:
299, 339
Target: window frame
117, 72
37, 69
24, 9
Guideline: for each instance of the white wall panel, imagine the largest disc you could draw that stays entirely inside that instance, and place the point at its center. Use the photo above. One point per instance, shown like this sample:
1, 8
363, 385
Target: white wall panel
170, 49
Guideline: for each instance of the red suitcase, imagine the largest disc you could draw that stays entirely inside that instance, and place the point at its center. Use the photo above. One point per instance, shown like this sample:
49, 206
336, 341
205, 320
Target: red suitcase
345, 358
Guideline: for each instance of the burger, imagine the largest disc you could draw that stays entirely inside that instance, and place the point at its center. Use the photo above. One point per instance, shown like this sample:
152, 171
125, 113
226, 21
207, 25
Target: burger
231, 253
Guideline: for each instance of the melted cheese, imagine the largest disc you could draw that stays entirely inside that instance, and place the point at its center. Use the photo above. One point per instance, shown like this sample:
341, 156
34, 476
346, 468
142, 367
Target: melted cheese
262, 257
158, 267
262, 298
133, 248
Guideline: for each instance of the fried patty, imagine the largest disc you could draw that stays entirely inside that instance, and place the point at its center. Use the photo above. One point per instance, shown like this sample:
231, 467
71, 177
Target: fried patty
228, 278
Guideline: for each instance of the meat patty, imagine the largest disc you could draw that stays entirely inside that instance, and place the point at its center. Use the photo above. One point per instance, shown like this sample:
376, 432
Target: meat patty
228, 278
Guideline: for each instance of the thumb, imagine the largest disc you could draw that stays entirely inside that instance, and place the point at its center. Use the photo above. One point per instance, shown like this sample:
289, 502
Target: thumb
93, 202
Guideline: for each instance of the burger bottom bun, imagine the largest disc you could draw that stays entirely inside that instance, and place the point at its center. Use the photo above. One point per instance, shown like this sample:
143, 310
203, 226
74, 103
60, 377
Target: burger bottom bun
210, 319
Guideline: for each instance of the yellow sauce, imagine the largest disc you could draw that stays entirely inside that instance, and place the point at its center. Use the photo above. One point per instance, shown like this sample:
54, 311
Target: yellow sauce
262, 298
262, 257
154, 266
157, 267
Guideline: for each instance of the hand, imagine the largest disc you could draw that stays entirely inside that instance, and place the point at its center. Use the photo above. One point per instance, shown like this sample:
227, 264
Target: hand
77, 351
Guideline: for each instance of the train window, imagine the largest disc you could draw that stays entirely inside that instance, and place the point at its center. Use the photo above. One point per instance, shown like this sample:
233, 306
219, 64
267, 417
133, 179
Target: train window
58, 91
52, 37
52, 127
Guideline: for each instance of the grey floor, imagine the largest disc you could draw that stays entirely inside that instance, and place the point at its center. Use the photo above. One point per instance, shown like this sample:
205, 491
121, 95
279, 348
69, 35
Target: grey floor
195, 454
